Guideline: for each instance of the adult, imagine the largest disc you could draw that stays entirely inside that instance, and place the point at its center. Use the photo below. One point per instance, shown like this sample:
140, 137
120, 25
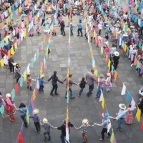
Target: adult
10, 63
121, 116
80, 27
43, 17
63, 130
69, 84
116, 58
140, 104
17, 72
90, 78
54, 79
105, 123
9, 107
22, 111
62, 24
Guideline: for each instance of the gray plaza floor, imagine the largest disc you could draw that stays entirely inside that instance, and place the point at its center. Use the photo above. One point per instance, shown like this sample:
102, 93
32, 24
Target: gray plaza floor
54, 107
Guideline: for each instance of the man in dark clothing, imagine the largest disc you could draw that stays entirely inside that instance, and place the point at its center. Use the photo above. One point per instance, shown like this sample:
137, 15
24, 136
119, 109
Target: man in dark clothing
54, 79
62, 24
11, 66
63, 130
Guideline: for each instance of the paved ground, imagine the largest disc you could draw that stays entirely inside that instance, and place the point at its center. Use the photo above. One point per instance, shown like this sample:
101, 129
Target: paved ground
54, 107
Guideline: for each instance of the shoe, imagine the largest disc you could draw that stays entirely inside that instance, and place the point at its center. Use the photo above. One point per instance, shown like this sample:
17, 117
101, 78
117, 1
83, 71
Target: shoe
72, 97
56, 94
101, 140
79, 95
45, 140
131, 65
51, 94
28, 87
42, 90
77, 35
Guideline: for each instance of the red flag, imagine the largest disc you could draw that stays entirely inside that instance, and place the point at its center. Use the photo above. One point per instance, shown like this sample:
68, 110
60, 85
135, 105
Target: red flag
42, 66
16, 88
39, 48
142, 126
20, 138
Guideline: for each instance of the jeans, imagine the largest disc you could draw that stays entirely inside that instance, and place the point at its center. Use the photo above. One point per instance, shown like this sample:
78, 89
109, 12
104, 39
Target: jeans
120, 123
99, 91
71, 94
71, 32
24, 120
79, 30
62, 138
62, 31
91, 87
11, 67
81, 90
54, 88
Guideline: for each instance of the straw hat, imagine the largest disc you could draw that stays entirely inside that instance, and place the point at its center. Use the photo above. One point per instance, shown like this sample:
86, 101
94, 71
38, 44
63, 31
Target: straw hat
132, 26
126, 35
42, 75
101, 76
122, 106
45, 120
108, 74
116, 53
85, 121
35, 111
8, 95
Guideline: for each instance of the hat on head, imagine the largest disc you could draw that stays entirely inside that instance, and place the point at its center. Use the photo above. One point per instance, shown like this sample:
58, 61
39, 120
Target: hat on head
45, 120
42, 75
85, 121
8, 95
116, 53
126, 35
35, 111
101, 76
122, 106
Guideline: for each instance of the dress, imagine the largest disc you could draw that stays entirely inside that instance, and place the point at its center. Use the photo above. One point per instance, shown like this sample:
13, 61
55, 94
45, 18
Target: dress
108, 83
9, 108
129, 117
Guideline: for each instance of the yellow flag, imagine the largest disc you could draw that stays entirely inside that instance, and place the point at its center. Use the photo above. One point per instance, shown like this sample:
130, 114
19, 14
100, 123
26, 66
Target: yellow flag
6, 21
46, 52
12, 51
24, 74
20, 9
6, 39
9, 9
15, 45
109, 64
96, 73
36, 16
101, 51
34, 94
138, 115
103, 102
40, 72
24, 33
2, 62
67, 114
68, 72
125, 47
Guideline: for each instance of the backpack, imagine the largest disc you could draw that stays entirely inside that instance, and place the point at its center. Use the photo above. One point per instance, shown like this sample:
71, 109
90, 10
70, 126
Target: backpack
82, 84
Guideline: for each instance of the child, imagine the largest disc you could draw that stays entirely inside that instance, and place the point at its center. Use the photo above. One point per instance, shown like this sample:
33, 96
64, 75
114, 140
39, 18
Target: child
82, 86
41, 82
108, 83
47, 127
38, 27
71, 29
29, 81
85, 125
36, 119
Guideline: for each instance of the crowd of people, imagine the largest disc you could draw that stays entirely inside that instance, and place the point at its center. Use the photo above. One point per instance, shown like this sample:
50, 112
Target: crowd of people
119, 27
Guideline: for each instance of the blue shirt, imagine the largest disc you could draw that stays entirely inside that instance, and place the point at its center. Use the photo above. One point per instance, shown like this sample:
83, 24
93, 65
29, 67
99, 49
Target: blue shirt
35, 118
22, 111
41, 81
79, 25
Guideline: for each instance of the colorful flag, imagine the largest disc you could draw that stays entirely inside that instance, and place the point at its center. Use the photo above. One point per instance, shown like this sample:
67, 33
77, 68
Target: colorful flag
123, 92
27, 116
24, 75
112, 139
2, 110
20, 138
13, 94
128, 96
21, 81
16, 87
138, 115
103, 102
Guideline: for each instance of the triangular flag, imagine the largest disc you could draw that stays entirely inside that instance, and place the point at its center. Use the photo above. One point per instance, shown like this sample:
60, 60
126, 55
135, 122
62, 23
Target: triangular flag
42, 67
138, 115
13, 94
24, 74
142, 126
15, 45
16, 87
2, 62
30, 109
109, 62
21, 81
133, 105
96, 73
12, 51
27, 116
2, 110
115, 75
28, 69
106, 58
123, 92
101, 96
9, 55
135, 61
101, 50
20, 138
128, 96
34, 94
103, 102
112, 139
37, 84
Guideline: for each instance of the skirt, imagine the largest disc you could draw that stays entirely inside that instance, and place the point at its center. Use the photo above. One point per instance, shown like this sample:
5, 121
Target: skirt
9, 110
129, 118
